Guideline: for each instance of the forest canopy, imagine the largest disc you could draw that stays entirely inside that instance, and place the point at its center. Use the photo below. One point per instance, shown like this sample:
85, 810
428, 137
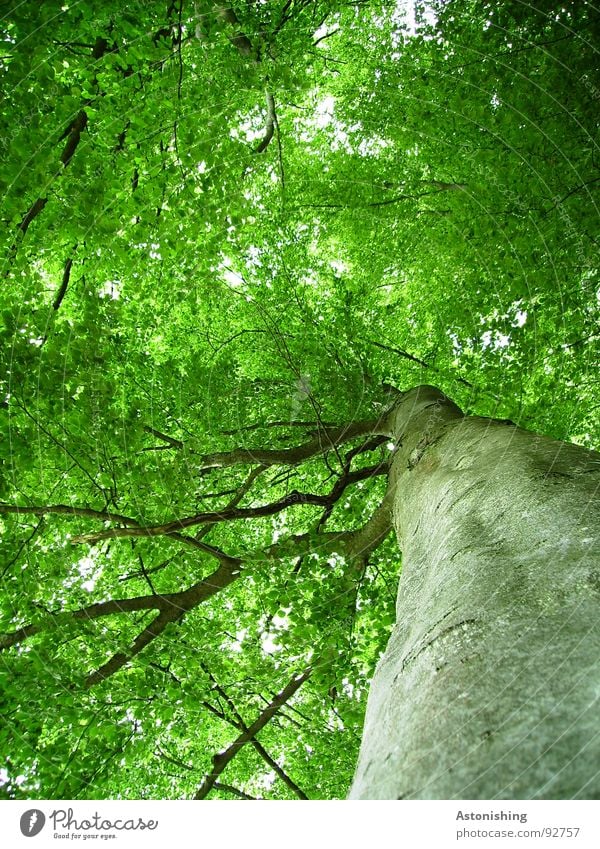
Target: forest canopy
241, 228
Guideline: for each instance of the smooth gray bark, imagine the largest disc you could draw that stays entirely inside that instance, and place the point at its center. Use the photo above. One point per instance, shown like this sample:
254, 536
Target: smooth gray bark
490, 684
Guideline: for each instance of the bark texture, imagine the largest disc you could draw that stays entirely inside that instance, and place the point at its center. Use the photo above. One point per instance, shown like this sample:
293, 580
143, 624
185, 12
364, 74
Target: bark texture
490, 684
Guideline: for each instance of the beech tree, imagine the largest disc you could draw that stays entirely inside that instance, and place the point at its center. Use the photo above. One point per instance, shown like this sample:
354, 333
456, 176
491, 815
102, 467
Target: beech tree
488, 686
250, 253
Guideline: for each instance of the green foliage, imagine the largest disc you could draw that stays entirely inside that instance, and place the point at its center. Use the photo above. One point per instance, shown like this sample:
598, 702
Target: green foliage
424, 211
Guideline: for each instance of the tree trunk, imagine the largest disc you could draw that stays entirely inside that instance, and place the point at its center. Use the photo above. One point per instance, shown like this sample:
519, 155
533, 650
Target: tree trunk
490, 683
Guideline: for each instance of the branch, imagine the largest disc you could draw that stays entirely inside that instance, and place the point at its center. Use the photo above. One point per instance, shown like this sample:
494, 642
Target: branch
176, 603
327, 35
270, 761
221, 759
173, 443
212, 518
298, 545
87, 512
270, 124
446, 187
398, 198
441, 187
400, 353
64, 284
229, 514
67, 510
361, 543
118, 661
246, 486
172, 609
73, 136
63, 447
33, 211
326, 440
72, 133
21, 548
238, 722
172, 760
416, 360
238, 494
240, 40
558, 201
227, 788
92, 611
260, 426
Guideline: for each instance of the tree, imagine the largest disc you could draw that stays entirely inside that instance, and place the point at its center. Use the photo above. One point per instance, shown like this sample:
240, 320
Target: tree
488, 686
229, 232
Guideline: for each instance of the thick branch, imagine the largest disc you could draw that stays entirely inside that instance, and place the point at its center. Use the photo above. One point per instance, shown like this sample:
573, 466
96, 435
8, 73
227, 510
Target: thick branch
229, 514
8, 640
233, 791
314, 425
73, 136
92, 611
173, 443
118, 661
239, 40
32, 213
173, 608
237, 722
269, 125
67, 510
221, 759
226, 574
326, 440
63, 285
298, 545
361, 543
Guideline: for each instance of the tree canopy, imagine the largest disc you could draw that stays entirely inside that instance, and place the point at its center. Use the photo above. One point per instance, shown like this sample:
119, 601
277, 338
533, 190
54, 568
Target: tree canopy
228, 233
